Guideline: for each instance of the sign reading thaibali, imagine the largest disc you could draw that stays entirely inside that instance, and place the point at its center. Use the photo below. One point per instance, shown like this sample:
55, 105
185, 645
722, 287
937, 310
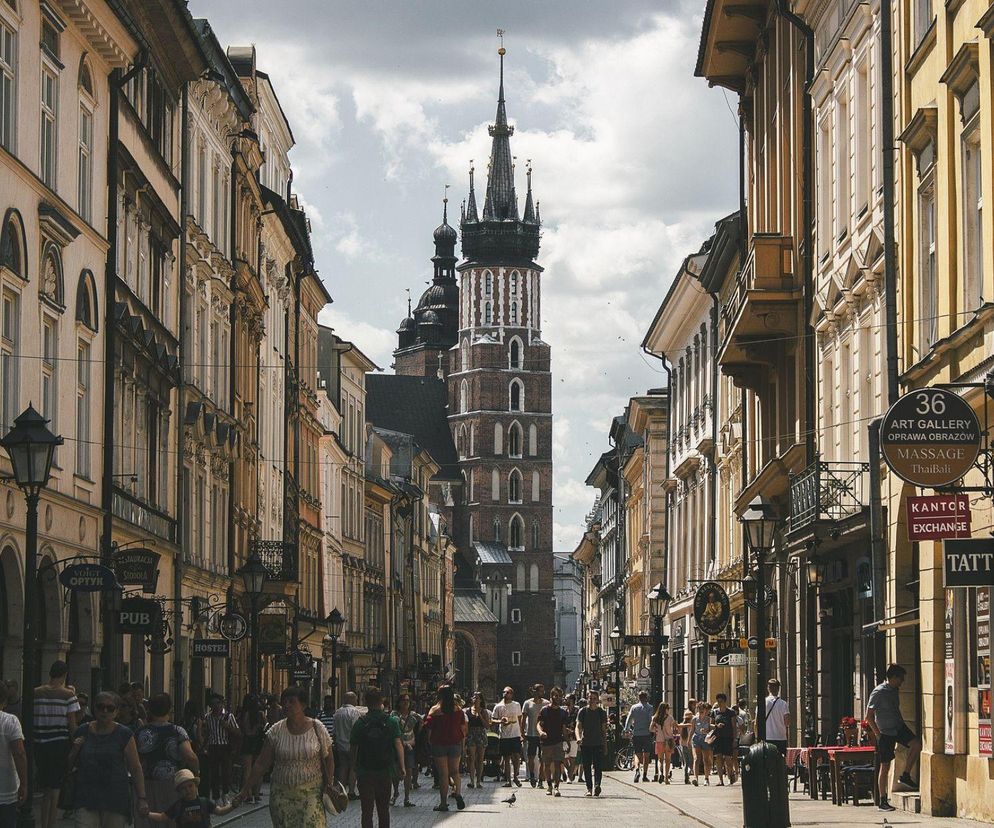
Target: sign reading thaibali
930, 437
937, 517
711, 608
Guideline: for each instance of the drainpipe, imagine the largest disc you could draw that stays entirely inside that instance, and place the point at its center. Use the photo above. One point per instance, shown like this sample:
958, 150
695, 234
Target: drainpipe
878, 557
890, 251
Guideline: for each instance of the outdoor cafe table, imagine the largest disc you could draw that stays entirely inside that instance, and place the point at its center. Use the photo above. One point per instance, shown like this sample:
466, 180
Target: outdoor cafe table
837, 757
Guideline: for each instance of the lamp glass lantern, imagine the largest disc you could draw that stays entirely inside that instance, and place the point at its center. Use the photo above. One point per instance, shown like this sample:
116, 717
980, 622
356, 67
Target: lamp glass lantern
253, 574
617, 641
749, 589
31, 447
336, 623
760, 523
659, 600
816, 573
379, 654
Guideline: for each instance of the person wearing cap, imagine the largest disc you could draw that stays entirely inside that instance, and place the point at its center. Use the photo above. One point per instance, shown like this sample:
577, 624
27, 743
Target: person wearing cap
191, 809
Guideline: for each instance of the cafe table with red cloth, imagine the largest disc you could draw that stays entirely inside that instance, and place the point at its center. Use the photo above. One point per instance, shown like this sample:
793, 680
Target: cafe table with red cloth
839, 757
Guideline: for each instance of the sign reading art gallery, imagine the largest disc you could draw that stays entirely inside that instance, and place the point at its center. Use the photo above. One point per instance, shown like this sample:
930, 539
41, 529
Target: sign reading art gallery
930, 437
711, 608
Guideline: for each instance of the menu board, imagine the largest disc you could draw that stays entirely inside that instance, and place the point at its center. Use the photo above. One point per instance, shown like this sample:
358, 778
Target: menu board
984, 670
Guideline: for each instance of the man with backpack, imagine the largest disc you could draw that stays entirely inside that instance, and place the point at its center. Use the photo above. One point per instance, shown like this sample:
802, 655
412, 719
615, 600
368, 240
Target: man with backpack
377, 756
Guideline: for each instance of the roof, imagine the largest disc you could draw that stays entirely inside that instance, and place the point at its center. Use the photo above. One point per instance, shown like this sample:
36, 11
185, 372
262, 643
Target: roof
470, 608
491, 552
417, 406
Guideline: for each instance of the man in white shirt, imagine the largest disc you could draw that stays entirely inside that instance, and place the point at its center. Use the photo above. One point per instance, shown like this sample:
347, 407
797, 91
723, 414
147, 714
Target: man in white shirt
341, 724
13, 764
777, 716
507, 714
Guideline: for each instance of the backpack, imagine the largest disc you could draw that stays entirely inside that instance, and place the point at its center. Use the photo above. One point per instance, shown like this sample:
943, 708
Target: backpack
375, 748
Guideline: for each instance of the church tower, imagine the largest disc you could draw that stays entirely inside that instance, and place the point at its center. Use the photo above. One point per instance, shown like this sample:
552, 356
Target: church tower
500, 414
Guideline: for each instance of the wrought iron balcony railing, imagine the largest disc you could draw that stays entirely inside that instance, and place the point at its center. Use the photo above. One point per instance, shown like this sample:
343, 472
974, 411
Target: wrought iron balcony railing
279, 557
827, 491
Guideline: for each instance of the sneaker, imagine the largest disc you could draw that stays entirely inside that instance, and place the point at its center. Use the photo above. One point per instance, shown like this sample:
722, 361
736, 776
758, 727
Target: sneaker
906, 780
636, 776
589, 792
549, 792
470, 785
597, 791
460, 802
517, 782
667, 781
506, 785
441, 808
885, 806
408, 803
693, 782
531, 781
556, 793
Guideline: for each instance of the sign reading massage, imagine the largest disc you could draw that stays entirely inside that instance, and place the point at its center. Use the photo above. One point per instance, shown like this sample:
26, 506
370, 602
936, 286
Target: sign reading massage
930, 437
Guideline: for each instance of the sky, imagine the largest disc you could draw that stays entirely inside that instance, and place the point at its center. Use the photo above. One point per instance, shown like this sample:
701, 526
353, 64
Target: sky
634, 161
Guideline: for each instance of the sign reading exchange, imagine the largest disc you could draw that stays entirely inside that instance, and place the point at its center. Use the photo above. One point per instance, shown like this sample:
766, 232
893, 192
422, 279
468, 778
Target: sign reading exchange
930, 437
711, 609
936, 517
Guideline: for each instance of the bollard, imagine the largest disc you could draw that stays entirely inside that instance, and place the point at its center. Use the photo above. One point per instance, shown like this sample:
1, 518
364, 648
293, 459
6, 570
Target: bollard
764, 788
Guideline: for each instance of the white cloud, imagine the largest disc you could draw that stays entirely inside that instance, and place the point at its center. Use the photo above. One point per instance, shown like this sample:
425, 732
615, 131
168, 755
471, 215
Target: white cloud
376, 343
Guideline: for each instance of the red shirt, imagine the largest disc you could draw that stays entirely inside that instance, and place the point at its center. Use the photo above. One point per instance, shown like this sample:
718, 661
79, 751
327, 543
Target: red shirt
445, 728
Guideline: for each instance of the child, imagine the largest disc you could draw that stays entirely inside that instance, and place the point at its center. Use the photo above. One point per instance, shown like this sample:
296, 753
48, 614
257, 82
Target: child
191, 809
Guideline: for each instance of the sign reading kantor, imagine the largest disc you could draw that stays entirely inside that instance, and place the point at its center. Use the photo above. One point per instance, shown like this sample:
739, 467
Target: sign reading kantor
930, 437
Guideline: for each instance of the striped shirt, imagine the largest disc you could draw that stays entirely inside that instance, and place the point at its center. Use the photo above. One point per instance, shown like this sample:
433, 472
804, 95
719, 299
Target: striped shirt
297, 757
217, 733
328, 720
52, 708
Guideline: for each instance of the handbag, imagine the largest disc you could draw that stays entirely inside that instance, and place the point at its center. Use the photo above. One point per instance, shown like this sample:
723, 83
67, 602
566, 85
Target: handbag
67, 790
711, 737
334, 797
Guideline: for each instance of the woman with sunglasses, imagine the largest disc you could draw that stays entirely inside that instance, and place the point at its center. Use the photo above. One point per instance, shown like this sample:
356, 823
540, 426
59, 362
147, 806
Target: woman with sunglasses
104, 756
298, 749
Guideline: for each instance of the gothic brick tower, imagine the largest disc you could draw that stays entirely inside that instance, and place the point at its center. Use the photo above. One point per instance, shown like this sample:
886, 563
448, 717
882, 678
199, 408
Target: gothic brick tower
500, 413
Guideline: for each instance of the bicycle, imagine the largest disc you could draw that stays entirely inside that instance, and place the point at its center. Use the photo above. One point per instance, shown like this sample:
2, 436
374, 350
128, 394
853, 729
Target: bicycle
624, 757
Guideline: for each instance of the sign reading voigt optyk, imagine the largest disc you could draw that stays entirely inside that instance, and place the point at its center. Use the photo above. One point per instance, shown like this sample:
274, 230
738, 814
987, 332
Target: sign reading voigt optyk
930, 437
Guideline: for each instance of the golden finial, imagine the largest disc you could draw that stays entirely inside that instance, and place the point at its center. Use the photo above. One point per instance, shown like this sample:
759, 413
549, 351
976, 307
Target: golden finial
501, 51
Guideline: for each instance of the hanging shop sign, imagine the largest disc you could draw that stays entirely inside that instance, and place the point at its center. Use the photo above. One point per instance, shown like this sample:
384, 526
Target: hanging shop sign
211, 648
968, 562
88, 577
937, 517
984, 671
930, 437
769, 595
711, 608
721, 651
640, 640
137, 567
283, 661
272, 632
139, 615
233, 626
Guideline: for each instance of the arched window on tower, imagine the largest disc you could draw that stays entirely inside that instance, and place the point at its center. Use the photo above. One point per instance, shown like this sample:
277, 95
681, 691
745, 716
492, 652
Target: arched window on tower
498, 439
520, 580
495, 485
516, 533
514, 487
534, 535
514, 283
533, 578
517, 395
488, 284
514, 314
496, 530
487, 314
464, 356
463, 397
514, 440
514, 353
533, 439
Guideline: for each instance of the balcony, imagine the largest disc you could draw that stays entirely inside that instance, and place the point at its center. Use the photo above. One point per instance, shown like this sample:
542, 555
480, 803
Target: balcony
279, 558
827, 492
139, 513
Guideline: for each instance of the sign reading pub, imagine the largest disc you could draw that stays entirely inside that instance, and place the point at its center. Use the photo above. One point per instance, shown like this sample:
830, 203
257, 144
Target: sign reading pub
930, 437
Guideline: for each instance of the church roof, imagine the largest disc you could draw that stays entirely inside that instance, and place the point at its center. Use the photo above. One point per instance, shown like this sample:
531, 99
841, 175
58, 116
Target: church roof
491, 552
470, 608
417, 406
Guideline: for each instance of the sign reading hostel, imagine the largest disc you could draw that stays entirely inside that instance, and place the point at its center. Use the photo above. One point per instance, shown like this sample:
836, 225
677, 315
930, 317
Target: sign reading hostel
211, 648
930, 437
968, 563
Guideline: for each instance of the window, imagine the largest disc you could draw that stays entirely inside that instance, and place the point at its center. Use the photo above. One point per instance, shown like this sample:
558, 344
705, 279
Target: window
514, 283
514, 353
516, 534
495, 485
498, 438
8, 89
824, 223
487, 314
83, 409
464, 355
973, 208
11, 247
515, 616
50, 38
10, 328
49, 121
843, 206
463, 397
514, 313
922, 19
516, 394
49, 377
533, 578
535, 485
488, 289
516, 658
84, 182
496, 530
532, 439
202, 184
514, 487
928, 315
514, 440
864, 137
535, 531
520, 577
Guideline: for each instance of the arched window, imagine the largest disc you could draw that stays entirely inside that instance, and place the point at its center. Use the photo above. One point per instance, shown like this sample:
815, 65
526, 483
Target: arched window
535, 485
463, 397
534, 535
533, 578
488, 284
516, 533
51, 287
514, 440
533, 439
514, 353
85, 78
704, 346
514, 487
514, 283
86, 300
514, 314
495, 485
472, 439
12, 245
463, 442
498, 438
496, 530
487, 314
520, 580
517, 395
464, 355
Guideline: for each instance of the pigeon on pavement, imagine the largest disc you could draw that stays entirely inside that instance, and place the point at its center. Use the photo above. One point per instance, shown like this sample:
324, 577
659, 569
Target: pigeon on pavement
510, 800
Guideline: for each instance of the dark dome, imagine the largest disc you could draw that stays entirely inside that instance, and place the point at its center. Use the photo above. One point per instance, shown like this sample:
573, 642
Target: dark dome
406, 325
444, 233
429, 317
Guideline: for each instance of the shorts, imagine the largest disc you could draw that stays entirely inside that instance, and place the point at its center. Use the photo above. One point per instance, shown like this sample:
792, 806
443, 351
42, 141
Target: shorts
664, 748
886, 743
510, 747
534, 745
779, 744
700, 744
571, 749
642, 744
724, 747
446, 751
52, 761
553, 752
477, 737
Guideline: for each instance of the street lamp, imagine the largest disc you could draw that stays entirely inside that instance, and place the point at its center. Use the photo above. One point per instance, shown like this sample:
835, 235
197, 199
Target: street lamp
336, 623
659, 603
379, 655
31, 447
760, 523
618, 646
253, 574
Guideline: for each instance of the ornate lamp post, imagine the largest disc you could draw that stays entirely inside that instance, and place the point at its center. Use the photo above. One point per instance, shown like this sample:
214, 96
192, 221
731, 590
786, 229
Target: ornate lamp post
379, 656
659, 603
336, 623
31, 447
253, 574
618, 646
761, 525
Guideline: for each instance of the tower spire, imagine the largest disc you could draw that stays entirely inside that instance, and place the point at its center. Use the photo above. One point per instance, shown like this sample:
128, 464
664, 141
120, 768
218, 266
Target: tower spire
471, 214
500, 180
529, 208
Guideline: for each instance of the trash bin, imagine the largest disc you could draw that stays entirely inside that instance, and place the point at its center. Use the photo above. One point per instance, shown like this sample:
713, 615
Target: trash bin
764, 788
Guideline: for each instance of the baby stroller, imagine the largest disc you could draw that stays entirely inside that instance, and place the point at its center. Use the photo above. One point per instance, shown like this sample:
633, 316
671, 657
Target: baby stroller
491, 758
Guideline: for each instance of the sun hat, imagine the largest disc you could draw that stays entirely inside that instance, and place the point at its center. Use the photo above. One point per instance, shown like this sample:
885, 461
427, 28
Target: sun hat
184, 776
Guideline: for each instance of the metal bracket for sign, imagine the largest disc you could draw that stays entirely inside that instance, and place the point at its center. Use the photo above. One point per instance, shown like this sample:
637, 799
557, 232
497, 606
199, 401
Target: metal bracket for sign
985, 457
65, 563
